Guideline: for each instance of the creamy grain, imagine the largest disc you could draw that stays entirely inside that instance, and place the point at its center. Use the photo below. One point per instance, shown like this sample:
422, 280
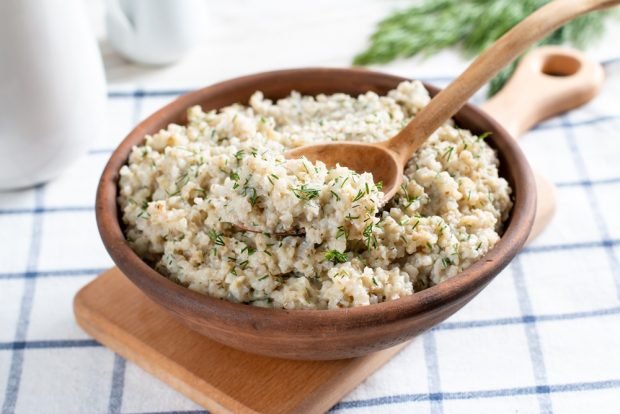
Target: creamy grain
182, 189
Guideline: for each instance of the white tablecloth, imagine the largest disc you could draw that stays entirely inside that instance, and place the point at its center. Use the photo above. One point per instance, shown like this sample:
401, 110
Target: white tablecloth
543, 337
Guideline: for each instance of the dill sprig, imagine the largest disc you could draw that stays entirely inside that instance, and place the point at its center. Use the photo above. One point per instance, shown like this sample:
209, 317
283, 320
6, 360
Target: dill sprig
304, 192
484, 136
359, 195
341, 232
336, 257
446, 262
216, 237
239, 155
410, 199
433, 25
250, 193
369, 237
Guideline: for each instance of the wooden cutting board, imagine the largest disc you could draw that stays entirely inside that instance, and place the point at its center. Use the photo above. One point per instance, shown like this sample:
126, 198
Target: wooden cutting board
223, 380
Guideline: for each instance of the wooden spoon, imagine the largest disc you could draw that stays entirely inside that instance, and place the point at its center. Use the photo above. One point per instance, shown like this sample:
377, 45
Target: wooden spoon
387, 159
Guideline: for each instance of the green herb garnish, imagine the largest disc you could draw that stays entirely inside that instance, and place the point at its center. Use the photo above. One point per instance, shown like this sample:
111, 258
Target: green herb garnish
484, 135
250, 193
359, 195
431, 26
336, 257
216, 237
304, 192
183, 179
369, 237
410, 199
446, 261
249, 250
341, 232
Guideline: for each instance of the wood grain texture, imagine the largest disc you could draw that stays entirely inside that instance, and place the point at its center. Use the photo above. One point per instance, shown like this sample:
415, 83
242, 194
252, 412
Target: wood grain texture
221, 379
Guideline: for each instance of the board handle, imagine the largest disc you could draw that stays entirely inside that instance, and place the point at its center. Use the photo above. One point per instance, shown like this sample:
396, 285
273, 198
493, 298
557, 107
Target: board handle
548, 81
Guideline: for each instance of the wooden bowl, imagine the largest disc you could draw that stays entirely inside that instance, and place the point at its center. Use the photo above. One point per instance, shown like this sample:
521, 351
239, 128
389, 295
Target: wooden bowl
314, 334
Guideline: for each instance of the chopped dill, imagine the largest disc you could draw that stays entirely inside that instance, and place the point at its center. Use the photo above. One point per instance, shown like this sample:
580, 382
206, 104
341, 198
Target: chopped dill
305, 193
359, 195
369, 237
446, 262
249, 250
415, 225
250, 192
239, 155
144, 214
216, 237
341, 232
410, 199
336, 257
183, 179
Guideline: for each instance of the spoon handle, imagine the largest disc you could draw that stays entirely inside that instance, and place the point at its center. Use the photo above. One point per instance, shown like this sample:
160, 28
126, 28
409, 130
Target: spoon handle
512, 44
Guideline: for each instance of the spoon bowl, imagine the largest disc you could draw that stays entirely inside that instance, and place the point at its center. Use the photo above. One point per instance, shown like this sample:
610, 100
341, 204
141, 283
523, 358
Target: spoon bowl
384, 164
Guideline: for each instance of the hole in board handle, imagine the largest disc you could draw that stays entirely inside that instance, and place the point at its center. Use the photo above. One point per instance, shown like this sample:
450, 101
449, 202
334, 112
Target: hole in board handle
560, 65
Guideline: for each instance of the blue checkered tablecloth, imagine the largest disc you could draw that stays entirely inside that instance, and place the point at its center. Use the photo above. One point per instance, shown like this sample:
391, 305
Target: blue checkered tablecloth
543, 337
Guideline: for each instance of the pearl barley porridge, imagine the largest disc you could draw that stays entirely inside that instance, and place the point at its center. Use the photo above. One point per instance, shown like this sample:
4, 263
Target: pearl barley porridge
182, 189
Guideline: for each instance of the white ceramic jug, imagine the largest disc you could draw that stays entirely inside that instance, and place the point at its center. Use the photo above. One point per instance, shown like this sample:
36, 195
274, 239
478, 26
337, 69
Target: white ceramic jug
154, 32
52, 89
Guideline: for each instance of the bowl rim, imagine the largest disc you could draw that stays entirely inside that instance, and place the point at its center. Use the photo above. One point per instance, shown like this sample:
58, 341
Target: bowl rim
165, 291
